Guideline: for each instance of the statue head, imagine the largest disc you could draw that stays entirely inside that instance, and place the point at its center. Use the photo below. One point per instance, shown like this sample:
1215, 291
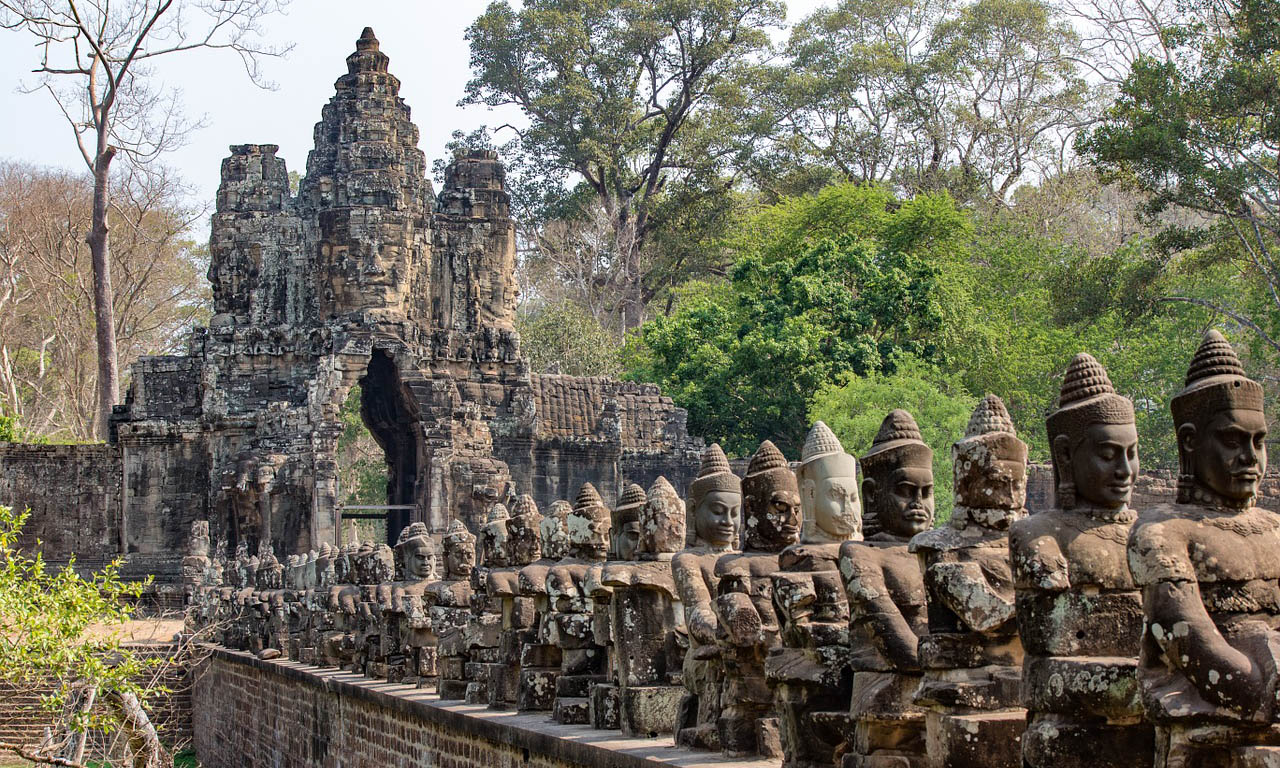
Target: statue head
554, 530
459, 551
326, 558
991, 466
382, 565
715, 498
1093, 439
897, 479
198, 544
588, 525
493, 537
625, 523
417, 553
270, 573
1221, 427
828, 481
771, 502
661, 522
523, 531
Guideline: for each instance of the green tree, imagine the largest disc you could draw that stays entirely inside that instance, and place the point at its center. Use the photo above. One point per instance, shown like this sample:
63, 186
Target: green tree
927, 94
55, 634
631, 104
747, 358
562, 338
938, 401
1198, 129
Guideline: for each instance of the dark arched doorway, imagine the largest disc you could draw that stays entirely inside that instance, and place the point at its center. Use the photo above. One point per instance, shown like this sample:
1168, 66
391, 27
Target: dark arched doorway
392, 419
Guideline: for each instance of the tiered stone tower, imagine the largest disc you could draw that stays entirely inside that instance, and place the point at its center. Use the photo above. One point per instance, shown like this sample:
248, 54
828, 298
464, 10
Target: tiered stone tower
367, 276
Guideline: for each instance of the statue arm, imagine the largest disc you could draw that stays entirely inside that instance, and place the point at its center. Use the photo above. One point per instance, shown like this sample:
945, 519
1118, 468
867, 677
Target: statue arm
695, 596
739, 618
1038, 562
870, 603
965, 590
1222, 674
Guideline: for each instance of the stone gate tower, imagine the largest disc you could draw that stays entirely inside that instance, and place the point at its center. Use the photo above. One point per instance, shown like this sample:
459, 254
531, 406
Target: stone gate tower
366, 276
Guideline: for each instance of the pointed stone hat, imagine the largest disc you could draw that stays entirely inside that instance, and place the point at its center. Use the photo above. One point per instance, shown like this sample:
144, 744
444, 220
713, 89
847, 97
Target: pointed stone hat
628, 509
714, 475
1216, 382
1087, 398
458, 534
897, 442
588, 502
768, 469
990, 430
823, 453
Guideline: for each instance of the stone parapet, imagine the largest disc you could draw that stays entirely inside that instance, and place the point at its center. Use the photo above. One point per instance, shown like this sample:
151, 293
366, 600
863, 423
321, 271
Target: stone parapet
280, 713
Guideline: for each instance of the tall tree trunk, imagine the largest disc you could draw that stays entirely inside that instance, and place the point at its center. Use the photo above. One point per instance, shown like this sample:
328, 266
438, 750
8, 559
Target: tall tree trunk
104, 311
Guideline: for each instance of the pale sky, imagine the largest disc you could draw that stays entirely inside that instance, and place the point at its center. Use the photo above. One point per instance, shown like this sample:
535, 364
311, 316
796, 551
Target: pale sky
424, 39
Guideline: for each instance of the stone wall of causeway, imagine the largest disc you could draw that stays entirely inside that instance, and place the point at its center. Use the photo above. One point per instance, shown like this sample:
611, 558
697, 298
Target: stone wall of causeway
250, 712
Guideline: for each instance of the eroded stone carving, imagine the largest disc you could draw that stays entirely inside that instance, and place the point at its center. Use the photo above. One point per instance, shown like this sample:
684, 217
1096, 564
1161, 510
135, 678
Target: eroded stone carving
971, 656
449, 609
583, 661
1079, 613
1208, 568
715, 506
885, 588
749, 626
810, 672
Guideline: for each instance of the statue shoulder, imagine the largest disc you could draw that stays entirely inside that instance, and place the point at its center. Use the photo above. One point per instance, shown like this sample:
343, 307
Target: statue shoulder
1158, 544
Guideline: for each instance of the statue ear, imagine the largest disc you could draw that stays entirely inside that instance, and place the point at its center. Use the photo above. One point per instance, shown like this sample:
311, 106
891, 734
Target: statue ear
1062, 452
806, 489
1187, 438
868, 489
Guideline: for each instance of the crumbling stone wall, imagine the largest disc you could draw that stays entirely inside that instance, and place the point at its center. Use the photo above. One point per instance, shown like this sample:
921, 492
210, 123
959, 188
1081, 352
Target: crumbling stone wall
73, 493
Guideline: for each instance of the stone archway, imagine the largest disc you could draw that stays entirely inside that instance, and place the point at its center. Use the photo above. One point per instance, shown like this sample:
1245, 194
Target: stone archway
393, 419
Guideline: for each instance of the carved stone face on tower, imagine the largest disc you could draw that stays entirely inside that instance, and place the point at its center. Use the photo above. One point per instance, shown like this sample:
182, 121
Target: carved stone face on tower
1093, 438
588, 525
771, 500
828, 480
554, 530
662, 521
459, 552
990, 461
898, 479
417, 553
715, 497
1221, 428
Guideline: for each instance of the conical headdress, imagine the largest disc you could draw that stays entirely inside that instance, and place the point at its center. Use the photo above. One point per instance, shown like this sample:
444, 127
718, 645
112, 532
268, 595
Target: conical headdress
524, 506
628, 509
1087, 398
766, 459
820, 441
714, 475
1215, 382
458, 534
823, 454
413, 531
898, 442
991, 428
498, 512
588, 502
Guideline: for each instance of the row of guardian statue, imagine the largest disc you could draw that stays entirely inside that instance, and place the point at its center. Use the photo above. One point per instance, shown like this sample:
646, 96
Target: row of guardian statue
814, 612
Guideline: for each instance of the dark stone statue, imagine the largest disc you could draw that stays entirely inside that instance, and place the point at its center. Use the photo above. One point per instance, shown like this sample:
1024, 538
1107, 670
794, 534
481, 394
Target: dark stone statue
1208, 567
886, 595
1079, 613
971, 657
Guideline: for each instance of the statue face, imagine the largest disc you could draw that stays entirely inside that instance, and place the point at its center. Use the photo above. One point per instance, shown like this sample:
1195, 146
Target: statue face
1229, 453
419, 559
1104, 465
991, 482
834, 504
589, 536
779, 521
555, 540
905, 506
628, 540
460, 561
718, 518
